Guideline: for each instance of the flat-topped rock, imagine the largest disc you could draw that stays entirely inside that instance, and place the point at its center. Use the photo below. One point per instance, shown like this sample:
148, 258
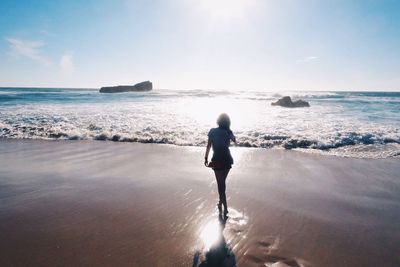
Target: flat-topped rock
287, 102
139, 87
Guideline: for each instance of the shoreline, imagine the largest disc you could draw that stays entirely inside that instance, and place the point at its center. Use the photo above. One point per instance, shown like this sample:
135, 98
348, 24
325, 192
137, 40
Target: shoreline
111, 204
312, 151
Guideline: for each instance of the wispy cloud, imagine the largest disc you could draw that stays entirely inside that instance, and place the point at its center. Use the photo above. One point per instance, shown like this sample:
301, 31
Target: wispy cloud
66, 63
47, 33
28, 49
307, 59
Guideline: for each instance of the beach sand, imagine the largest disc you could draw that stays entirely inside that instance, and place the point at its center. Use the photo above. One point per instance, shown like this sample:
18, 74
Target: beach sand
92, 203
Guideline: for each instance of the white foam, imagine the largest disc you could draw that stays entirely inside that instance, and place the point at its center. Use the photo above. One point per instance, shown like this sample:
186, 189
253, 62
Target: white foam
185, 120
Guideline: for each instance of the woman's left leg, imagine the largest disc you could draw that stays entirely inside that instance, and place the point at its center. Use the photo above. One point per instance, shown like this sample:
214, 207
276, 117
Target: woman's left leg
221, 175
224, 202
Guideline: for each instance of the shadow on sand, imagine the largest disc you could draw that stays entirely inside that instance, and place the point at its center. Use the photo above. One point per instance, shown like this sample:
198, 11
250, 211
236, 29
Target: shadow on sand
217, 252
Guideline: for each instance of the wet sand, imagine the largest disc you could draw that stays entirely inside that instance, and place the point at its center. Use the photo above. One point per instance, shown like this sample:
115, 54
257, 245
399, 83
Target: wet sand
87, 203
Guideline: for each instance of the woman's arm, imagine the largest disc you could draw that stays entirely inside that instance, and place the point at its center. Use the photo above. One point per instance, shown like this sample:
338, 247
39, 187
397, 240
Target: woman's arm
233, 138
207, 151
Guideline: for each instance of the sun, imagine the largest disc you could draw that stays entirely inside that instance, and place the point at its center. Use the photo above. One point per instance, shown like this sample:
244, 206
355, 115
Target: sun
225, 10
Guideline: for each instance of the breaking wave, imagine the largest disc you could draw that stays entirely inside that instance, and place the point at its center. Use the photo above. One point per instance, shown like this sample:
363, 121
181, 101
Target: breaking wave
355, 124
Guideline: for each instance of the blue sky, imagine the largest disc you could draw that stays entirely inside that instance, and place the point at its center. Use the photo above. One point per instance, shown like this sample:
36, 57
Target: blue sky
209, 44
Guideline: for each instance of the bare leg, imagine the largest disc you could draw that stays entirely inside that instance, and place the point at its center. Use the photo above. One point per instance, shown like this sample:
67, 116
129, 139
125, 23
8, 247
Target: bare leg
225, 175
221, 175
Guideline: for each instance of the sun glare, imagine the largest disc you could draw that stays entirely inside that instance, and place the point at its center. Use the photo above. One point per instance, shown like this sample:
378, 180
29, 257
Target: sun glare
225, 9
206, 110
211, 234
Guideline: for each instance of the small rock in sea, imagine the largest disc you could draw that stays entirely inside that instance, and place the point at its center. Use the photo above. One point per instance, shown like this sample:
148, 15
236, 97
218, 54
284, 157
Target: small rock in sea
287, 102
101, 137
116, 138
57, 135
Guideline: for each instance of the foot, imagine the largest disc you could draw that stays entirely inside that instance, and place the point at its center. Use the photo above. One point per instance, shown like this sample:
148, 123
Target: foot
226, 211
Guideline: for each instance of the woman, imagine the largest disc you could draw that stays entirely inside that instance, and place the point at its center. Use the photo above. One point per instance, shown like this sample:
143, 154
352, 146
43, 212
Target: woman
221, 161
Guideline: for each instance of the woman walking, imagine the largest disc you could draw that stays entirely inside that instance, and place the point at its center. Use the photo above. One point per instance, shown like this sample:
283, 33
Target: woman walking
221, 161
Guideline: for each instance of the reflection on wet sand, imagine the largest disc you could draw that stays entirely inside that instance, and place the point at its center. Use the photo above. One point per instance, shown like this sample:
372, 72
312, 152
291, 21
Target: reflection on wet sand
215, 250
90, 204
221, 235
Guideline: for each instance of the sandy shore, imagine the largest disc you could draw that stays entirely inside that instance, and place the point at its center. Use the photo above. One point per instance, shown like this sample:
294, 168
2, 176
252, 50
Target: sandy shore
87, 203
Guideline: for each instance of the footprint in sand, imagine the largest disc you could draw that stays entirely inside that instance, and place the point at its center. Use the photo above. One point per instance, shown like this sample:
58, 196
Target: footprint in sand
268, 259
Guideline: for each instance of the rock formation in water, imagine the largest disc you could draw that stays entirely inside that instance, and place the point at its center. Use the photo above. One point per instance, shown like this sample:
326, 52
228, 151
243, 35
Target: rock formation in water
287, 102
139, 87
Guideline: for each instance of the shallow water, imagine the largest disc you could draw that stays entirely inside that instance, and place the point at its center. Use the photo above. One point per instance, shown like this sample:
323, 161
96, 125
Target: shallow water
355, 124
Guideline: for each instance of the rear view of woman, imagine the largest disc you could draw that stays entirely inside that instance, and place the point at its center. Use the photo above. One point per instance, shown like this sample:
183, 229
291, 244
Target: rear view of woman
221, 161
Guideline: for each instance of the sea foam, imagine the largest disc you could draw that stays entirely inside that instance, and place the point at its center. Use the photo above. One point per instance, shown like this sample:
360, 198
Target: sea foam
355, 124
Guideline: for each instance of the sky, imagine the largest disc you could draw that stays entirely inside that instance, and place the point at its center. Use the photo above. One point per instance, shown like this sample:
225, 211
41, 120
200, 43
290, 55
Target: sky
264, 45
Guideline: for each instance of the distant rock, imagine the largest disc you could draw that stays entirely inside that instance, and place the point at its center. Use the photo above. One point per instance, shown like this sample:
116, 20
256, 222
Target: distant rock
139, 87
287, 102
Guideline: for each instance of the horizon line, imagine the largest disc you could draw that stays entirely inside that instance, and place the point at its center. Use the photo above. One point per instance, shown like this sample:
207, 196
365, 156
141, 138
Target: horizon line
204, 89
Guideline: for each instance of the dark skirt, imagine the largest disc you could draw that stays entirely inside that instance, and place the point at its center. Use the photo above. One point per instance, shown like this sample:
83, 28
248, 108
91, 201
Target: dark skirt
217, 166
221, 160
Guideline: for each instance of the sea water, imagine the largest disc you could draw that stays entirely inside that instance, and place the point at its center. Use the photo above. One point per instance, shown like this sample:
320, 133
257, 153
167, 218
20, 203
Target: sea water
355, 124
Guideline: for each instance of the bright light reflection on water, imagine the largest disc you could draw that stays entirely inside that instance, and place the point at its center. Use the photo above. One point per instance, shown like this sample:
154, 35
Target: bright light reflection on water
211, 234
243, 114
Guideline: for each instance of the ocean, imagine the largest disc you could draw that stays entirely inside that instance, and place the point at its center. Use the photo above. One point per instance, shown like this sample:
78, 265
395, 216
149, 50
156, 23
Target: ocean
347, 124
